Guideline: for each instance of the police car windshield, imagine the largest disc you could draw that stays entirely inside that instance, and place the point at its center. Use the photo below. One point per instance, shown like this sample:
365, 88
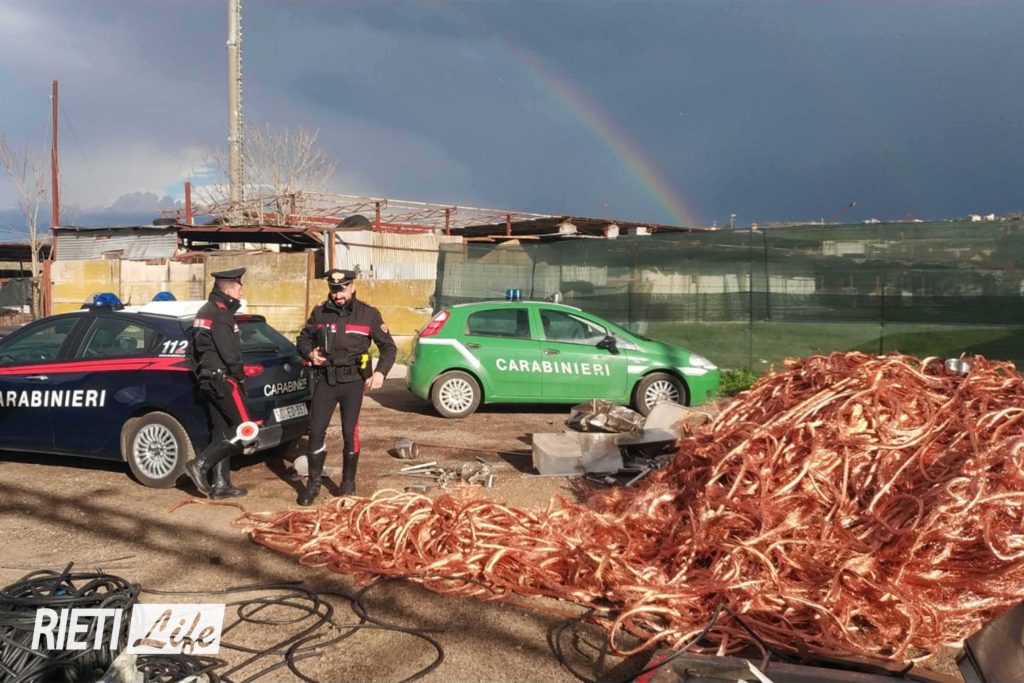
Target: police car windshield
259, 337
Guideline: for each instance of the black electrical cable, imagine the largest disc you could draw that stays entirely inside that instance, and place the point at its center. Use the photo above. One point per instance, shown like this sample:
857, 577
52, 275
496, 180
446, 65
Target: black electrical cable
19, 603
307, 642
555, 638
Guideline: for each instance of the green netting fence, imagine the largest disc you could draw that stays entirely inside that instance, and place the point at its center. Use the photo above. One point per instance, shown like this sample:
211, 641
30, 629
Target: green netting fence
750, 299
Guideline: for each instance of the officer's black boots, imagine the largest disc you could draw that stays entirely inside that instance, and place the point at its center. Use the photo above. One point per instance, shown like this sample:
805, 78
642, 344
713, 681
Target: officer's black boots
309, 494
349, 461
315, 462
222, 486
196, 471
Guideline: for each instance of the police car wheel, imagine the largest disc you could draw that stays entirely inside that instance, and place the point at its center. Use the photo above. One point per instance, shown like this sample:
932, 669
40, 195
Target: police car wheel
657, 387
455, 394
156, 447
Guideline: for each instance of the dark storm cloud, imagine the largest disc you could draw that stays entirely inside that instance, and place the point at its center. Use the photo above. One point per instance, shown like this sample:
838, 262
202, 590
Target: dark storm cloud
782, 110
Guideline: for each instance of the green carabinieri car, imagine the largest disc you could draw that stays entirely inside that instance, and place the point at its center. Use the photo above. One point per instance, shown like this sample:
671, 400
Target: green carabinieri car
540, 352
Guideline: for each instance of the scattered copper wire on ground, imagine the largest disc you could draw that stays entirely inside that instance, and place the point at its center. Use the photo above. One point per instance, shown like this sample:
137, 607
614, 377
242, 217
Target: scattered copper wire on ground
850, 504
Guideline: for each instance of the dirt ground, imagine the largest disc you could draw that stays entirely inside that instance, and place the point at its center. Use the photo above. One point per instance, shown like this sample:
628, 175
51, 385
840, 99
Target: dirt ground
57, 510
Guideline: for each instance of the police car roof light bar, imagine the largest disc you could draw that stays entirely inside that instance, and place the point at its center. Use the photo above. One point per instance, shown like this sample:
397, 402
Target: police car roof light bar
104, 300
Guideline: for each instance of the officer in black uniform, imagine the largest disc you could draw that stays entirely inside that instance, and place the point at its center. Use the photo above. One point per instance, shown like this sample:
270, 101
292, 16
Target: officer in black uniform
336, 341
217, 362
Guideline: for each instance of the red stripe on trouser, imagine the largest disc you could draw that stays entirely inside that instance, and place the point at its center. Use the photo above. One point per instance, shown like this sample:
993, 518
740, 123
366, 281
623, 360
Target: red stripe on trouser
239, 400
355, 432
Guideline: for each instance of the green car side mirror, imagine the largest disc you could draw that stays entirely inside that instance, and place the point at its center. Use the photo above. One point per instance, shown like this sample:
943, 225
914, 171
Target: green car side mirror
609, 343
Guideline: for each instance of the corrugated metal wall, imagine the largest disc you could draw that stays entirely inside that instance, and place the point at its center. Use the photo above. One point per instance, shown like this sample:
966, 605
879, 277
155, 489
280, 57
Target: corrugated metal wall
390, 256
146, 243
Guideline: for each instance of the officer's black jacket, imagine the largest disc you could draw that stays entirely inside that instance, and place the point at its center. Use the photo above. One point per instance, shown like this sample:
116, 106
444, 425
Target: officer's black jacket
216, 344
354, 325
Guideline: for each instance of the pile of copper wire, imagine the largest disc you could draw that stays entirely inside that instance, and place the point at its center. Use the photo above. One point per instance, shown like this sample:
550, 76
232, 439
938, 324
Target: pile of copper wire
850, 504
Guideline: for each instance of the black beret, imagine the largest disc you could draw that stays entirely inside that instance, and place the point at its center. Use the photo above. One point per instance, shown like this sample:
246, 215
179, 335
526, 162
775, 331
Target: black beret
235, 274
338, 279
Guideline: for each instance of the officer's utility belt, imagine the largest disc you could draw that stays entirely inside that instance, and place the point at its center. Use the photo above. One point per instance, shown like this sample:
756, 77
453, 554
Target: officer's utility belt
335, 374
207, 373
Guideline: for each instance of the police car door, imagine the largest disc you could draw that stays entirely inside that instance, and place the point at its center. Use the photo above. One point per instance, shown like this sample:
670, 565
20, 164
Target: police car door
31, 361
499, 338
574, 367
111, 376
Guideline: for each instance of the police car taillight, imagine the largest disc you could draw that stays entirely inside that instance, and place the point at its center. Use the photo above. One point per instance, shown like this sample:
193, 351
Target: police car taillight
252, 370
435, 325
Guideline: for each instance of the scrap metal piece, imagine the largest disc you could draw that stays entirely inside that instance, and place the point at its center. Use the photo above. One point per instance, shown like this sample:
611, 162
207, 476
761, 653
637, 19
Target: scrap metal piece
597, 415
420, 466
576, 453
407, 449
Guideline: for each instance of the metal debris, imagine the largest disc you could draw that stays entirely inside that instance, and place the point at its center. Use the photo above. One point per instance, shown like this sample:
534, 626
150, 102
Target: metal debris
449, 476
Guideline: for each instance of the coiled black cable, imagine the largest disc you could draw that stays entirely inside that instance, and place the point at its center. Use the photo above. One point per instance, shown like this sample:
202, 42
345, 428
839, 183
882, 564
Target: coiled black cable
19, 663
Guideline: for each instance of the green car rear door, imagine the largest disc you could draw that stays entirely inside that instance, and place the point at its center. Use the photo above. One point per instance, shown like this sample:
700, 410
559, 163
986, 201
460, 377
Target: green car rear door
500, 338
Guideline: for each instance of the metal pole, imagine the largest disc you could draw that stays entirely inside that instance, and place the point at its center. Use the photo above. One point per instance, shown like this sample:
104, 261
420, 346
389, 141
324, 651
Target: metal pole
235, 109
54, 172
767, 279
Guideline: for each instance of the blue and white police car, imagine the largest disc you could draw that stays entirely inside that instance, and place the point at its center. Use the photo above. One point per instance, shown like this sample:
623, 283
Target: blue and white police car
113, 382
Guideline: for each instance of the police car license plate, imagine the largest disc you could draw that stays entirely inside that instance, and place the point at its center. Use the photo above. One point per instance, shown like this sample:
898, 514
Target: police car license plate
289, 412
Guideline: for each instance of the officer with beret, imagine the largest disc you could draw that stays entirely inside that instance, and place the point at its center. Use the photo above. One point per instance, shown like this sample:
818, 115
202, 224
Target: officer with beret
336, 342
216, 360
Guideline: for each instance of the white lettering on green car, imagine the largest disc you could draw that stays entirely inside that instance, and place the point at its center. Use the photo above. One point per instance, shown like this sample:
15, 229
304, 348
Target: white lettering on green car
549, 367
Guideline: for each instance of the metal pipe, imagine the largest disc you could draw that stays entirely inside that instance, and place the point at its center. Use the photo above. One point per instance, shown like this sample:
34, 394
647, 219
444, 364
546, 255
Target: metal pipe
234, 109
54, 176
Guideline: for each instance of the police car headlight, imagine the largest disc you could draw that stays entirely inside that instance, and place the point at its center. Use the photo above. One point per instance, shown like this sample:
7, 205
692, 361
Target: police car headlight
699, 361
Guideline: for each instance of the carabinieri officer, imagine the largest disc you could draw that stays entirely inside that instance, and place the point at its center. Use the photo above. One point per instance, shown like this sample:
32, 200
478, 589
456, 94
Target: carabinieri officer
217, 362
336, 342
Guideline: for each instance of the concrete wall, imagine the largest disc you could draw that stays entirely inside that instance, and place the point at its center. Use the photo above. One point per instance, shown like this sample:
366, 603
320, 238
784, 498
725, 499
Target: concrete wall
281, 286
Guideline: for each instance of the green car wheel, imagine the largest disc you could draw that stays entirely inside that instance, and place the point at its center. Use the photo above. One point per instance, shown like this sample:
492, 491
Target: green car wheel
455, 394
657, 387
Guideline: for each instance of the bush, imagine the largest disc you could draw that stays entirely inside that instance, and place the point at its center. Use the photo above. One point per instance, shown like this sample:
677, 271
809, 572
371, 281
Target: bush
735, 381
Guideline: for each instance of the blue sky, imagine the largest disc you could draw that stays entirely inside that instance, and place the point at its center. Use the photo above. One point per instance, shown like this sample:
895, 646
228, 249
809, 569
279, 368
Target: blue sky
655, 111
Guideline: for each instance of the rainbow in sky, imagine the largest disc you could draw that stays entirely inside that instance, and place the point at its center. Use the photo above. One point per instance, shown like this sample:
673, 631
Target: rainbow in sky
605, 129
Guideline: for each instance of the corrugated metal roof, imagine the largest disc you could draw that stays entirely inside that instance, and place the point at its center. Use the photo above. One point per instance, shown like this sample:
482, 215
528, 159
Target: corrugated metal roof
144, 242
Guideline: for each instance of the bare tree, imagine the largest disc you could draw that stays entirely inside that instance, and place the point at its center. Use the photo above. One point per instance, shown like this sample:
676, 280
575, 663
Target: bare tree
283, 171
28, 171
